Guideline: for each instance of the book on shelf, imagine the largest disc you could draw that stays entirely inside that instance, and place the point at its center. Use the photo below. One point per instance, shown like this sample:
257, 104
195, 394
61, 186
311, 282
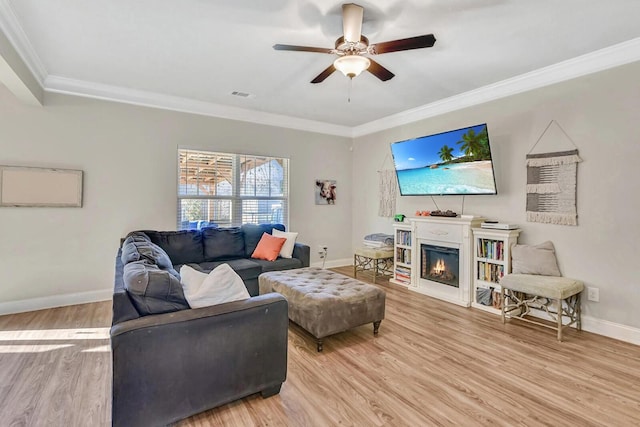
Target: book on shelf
490, 272
491, 249
403, 237
404, 271
403, 255
403, 278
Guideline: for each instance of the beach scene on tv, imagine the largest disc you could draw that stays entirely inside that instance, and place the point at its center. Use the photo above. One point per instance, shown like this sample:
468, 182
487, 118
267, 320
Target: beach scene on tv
455, 162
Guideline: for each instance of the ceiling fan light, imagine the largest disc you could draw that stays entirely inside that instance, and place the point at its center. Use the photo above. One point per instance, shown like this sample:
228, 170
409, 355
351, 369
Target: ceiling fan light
352, 65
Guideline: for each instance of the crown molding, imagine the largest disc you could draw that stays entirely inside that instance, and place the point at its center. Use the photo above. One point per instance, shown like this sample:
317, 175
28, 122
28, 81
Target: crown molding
12, 29
600, 60
86, 89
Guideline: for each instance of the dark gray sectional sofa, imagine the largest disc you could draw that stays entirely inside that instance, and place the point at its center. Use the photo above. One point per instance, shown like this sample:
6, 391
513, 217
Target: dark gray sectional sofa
171, 361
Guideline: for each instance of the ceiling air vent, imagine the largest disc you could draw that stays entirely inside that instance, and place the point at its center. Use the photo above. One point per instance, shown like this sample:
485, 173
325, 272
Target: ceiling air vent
242, 94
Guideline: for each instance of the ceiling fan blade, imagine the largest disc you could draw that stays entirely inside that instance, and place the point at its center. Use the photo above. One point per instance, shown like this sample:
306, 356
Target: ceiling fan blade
379, 71
323, 75
352, 15
302, 48
417, 42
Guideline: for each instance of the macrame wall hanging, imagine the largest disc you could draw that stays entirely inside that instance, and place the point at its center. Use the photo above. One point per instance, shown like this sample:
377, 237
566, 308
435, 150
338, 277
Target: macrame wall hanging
552, 182
387, 190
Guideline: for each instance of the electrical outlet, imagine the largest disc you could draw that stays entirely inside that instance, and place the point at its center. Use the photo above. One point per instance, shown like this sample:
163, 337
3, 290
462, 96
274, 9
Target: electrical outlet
322, 251
593, 294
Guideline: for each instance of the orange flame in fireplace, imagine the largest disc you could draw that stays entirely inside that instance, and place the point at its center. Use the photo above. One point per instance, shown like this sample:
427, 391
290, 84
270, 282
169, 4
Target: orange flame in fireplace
439, 267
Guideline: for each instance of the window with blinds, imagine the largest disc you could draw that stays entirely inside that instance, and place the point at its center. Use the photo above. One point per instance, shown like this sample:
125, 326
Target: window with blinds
231, 189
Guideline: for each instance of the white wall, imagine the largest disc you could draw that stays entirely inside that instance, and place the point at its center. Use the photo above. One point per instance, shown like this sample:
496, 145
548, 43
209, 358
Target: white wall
129, 156
601, 114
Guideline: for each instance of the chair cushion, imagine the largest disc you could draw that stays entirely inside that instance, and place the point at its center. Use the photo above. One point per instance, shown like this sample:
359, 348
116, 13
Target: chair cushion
543, 286
375, 253
183, 246
152, 290
221, 243
253, 234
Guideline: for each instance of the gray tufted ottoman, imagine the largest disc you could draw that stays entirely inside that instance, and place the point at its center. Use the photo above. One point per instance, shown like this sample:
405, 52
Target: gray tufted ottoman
324, 302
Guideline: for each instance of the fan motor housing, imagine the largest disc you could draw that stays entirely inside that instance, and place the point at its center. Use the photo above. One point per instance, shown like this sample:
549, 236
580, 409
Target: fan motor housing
343, 46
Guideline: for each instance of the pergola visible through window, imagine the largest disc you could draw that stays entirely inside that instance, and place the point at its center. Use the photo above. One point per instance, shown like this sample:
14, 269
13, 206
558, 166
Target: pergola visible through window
231, 189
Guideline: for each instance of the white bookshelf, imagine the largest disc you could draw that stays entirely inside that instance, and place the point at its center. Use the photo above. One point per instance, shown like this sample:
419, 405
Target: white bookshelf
491, 261
402, 254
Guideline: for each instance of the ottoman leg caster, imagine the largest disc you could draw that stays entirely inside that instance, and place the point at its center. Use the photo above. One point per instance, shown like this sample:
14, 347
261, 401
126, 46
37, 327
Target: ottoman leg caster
319, 343
376, 326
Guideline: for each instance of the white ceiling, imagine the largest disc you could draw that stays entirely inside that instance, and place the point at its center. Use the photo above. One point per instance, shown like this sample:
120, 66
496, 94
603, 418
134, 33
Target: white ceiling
202, 50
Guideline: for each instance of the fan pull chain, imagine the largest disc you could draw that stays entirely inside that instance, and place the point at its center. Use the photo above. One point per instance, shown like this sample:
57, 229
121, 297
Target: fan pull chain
349, 91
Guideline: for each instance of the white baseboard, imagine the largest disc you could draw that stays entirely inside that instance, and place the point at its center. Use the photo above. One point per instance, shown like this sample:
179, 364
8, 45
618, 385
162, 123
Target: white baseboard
606, 328
611, 330
42, 303
334, 263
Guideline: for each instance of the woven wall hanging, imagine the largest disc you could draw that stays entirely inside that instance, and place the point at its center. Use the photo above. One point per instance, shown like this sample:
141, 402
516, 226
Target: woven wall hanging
552, 182
387, 190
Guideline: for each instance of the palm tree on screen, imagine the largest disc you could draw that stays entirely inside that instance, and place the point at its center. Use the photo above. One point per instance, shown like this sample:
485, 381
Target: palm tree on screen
471, 143
445, 153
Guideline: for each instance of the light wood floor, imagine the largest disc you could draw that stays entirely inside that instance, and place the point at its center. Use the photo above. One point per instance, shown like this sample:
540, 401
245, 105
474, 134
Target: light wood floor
432, 364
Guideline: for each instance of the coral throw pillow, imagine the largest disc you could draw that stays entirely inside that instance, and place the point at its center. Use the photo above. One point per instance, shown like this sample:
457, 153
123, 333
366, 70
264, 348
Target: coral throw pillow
268, 247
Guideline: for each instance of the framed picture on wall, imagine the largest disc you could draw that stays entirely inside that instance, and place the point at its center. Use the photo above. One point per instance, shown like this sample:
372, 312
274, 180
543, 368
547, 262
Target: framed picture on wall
40, 187
325, 191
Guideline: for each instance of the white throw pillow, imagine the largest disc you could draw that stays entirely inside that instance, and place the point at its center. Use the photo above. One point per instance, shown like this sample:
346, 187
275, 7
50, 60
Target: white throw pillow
287, 248
221, 285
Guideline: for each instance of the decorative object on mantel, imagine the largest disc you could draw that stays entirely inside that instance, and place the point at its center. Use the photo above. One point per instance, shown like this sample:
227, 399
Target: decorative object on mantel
326, 191
552, 180
387, 190
40, 187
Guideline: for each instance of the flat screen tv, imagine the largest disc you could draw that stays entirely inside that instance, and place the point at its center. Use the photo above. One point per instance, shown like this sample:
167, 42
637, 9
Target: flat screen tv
457, 162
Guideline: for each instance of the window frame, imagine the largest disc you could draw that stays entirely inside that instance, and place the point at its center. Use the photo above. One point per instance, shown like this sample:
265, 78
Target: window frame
236, 198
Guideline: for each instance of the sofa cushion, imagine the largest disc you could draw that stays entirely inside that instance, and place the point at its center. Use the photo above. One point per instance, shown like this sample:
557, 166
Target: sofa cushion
253, 234
246, 269
221, 243
221, 285
183, 246
152, 290
279, 264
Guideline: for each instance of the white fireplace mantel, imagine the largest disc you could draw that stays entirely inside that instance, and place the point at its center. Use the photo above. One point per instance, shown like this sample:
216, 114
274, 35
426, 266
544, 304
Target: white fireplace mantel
451, 233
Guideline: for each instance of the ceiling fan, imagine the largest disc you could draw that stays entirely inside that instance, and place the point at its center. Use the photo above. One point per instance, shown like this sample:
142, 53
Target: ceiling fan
352, 47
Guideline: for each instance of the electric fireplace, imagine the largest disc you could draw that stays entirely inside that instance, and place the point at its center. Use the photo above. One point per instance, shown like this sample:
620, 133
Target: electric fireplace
440, 264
